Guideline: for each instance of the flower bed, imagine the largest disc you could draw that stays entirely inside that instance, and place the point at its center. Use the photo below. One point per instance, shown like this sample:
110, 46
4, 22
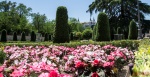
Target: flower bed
60, 61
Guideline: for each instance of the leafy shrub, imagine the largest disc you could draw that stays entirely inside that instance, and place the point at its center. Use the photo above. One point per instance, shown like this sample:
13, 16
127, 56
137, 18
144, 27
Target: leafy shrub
4, 36
78, 35
15, 36
33, 36
62, 28
71, 36
87, 34
132, 30
94, 32
103, 29
50, 37
23, 36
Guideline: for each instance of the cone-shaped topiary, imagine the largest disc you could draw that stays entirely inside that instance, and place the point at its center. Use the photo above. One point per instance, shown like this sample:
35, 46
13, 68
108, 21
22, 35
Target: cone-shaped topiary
23, 36
71, 36
4, 36
33, 36
132, 30
61, 30
103, 29
46, 37
15, 36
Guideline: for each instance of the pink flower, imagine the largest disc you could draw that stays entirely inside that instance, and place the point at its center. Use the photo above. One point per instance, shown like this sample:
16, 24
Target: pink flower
108, 64
95, 74
43, 75
17, 73
53, 74
110, 58
1, 68
79, 65
1, 75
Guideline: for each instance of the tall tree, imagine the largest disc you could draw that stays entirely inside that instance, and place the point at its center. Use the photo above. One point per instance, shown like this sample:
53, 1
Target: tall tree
39, 21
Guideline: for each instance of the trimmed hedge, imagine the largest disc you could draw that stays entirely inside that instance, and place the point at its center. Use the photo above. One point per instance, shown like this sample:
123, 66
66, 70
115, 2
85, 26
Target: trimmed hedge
131, 44
23, 36
103, 28
33, 36
15, 36
133, 34
62, 28
4, 36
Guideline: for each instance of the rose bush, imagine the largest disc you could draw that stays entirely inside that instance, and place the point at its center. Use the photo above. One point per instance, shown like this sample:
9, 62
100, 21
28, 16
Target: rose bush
61, 61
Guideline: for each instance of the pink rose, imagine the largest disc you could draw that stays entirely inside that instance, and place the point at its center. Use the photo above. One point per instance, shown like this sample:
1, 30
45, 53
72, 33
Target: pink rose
95, 62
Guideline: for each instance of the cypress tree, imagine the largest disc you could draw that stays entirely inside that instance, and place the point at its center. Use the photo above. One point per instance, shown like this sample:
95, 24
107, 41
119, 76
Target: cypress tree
46, 37
103, 29
61, 30
23, 36
15, 36
133, 34
33, 36
4, 36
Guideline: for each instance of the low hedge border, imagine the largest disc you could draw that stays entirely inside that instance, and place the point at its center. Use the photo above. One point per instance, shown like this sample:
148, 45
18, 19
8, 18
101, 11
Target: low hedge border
131, 44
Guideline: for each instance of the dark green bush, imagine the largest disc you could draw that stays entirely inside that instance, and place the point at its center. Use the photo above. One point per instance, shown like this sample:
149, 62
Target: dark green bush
87, 34
62, 28
33, 36
15, 36
103, 29
71, 36
50, 37
23, 36
4, 36
132, 30
46, 38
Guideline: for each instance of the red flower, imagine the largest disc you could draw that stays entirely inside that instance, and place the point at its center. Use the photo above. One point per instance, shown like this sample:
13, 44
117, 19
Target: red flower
95, 74
95, 62
79, 65
53, 74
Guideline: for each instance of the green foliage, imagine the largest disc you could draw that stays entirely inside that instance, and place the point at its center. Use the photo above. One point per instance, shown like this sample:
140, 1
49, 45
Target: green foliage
131, 44
15, 36
23, 36
118, 30
2, 56
87, 34
103, 29
132, 30
33, 36
78, 35
50, 37
46, 38
94, 32
4, 36
61, 29
71, 36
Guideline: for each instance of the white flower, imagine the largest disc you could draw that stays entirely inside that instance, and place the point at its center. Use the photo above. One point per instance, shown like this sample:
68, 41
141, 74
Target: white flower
44, 59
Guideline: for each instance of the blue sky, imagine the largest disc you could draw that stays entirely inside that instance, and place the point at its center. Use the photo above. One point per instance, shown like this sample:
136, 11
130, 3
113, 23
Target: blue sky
76, 8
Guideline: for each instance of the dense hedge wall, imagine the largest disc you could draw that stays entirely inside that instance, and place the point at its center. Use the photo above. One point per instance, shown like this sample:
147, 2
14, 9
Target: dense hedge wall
131, 44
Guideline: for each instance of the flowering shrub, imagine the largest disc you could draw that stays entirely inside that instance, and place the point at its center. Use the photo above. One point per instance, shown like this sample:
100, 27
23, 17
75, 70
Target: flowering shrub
60, 61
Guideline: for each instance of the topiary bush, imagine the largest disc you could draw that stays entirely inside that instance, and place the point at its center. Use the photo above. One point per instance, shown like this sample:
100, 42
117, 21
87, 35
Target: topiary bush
87, 34
78, 35
23, 36
15, 36
50, 37
33, 36
62, 28
46, 38
71, 36
103, 28
4, 36
133, 34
